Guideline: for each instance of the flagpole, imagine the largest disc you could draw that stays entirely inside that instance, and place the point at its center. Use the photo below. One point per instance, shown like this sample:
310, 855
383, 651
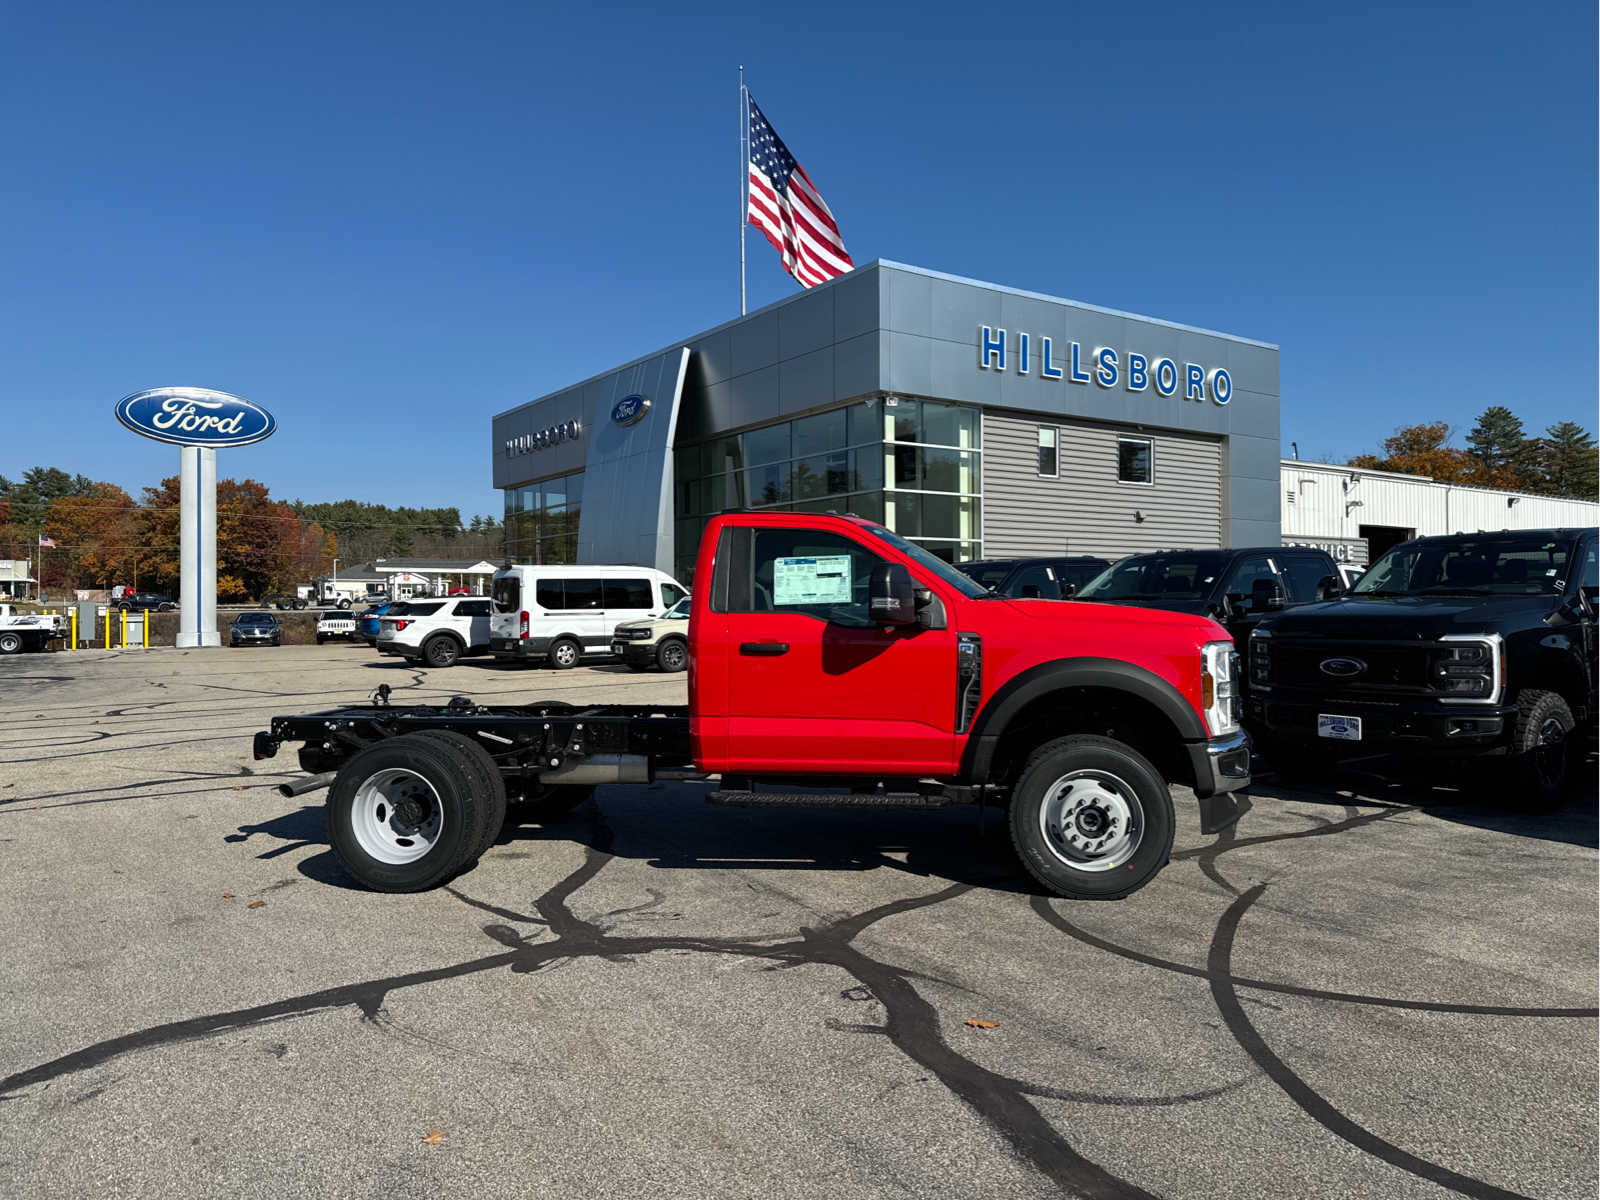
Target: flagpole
744, 182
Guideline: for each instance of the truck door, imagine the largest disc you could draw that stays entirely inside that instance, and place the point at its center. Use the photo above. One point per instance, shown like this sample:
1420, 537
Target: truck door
813, 685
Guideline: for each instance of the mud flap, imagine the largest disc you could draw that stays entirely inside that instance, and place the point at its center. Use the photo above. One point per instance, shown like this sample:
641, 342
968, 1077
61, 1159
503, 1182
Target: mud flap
1221, 810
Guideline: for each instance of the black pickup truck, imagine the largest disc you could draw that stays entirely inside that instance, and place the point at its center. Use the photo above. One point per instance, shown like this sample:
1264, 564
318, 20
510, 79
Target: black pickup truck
1476, 647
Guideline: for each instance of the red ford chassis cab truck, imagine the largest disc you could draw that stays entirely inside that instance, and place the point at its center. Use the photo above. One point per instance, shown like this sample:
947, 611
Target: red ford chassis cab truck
832, 663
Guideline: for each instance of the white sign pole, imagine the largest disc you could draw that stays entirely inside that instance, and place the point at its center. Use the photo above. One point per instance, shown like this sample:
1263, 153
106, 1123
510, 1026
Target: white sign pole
189, 547
208, 547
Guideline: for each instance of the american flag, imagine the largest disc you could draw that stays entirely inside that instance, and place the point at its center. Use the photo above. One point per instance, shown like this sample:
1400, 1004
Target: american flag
785, 205
50, 543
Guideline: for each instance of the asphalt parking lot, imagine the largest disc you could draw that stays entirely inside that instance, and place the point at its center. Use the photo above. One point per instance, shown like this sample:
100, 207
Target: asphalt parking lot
1363, 990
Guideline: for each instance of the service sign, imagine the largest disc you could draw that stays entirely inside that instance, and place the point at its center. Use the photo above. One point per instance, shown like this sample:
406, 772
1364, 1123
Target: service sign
187, 416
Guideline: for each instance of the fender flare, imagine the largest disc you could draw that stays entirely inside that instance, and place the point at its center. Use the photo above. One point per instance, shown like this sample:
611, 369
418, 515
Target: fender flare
1013, 698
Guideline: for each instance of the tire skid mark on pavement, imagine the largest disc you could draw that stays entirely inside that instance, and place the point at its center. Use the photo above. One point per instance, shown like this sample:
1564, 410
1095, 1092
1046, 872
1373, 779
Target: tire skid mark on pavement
911, 1022
1044, 908
1219, 962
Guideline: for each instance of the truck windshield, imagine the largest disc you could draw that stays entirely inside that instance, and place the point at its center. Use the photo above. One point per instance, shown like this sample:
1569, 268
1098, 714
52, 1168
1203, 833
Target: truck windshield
1185, 576
1492, 565
923, 558
990, 575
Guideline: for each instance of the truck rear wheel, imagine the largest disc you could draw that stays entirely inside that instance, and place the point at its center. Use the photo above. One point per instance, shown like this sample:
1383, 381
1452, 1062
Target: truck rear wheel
403, 816
472, 757
1091, 818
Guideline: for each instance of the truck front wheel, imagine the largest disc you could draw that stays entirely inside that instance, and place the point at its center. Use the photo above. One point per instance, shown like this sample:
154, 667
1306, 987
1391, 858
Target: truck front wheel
403, 816
1540, 763
10, 643
1091, 818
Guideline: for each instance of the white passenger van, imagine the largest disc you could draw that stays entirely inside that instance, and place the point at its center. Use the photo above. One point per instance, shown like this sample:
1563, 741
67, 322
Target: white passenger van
557, 614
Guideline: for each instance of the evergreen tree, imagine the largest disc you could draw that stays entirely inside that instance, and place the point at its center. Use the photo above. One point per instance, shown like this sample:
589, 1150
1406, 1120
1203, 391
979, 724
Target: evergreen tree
1503, 452
1568, 465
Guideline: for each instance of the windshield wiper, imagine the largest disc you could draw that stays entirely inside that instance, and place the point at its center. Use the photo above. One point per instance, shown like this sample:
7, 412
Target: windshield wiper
1458, 591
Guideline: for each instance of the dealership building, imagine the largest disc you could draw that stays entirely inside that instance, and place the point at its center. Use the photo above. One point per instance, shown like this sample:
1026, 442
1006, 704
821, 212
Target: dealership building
975, 419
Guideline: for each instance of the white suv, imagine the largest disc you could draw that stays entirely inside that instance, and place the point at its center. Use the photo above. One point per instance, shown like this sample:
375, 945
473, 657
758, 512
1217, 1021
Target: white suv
436, 632
659, 642
336, 623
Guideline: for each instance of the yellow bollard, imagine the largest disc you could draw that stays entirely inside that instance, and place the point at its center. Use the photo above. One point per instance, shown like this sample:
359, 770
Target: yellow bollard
123, 640
72, 624
146, 628
109, 611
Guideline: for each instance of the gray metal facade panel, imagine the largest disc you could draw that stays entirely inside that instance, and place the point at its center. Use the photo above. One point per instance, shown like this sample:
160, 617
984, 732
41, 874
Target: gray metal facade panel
627, 484
1086, 509
804, 328
856, 302
806, 381
755, 342
856, 366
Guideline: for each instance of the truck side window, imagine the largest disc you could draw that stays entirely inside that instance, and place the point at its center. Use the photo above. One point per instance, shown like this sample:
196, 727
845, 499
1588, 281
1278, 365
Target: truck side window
1249, 569
1301, 574
671, 593
810, 572
1039, 580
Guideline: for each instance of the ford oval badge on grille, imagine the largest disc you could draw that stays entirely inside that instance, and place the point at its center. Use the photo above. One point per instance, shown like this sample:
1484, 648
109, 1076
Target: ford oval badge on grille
1343, 667
630, 409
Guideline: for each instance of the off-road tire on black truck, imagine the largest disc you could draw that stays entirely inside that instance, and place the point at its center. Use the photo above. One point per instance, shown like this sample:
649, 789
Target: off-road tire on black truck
1538, 769
565, 653
426, 775
441, 650
1091, 818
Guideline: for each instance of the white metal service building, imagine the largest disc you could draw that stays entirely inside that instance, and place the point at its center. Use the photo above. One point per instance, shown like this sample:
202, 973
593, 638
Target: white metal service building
1357, 514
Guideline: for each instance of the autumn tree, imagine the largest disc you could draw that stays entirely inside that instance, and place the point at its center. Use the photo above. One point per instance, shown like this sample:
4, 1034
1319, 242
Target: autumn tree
95, 536
258, 539
1421, 450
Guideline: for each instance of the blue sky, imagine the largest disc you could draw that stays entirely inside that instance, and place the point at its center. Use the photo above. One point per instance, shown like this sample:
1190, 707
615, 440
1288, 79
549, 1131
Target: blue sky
387, 222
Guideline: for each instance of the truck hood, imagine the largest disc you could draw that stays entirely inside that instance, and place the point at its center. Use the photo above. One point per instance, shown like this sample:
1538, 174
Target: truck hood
1417, 618
1202, 629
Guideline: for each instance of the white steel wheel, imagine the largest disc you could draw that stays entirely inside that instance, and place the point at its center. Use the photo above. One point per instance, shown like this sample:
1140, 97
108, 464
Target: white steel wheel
397, 816
10, 643
1091, 820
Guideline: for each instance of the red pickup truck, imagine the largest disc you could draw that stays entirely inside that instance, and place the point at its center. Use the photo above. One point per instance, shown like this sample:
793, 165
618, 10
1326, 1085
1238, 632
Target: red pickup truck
832, 663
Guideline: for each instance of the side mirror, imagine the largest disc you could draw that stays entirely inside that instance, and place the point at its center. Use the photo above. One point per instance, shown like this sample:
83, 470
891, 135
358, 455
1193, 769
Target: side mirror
1329, 588
1265, 596
891, 598
1068, 590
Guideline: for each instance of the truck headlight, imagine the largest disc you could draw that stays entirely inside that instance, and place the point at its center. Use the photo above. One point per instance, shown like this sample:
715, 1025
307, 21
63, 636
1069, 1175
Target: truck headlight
1260, 657
1219, 687
1468, 668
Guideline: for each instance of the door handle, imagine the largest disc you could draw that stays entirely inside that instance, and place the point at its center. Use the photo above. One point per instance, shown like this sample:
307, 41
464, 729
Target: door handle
763, 649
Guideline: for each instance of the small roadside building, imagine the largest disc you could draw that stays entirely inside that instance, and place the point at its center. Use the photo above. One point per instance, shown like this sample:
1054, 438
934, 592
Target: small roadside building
403, 578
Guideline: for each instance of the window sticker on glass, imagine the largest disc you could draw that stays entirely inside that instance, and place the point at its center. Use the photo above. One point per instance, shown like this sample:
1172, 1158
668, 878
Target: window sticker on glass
821, 580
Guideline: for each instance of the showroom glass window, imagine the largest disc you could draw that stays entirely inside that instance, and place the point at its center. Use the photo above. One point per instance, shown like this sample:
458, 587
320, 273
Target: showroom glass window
542, 520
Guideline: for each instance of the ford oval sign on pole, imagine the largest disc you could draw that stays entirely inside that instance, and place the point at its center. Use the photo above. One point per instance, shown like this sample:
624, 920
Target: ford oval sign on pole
630, 410
197, 420
195, 417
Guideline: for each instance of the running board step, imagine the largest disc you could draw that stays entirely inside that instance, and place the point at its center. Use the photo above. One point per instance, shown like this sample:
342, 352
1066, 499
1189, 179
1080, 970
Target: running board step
830, 800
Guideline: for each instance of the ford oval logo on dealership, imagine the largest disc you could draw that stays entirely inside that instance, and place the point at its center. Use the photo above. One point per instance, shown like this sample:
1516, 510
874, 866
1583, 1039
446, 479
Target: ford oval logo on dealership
630, 410
1343, 667
188, 416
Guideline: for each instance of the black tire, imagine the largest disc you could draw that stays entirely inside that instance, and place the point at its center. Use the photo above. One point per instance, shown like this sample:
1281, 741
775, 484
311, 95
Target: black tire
320, 639
472, 757
441, 650
124, 608
166, 608
451, 795
277, 641
565, 653
1121, 803
540, 805
344, 604
10, 643
1537, 773
673, 655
